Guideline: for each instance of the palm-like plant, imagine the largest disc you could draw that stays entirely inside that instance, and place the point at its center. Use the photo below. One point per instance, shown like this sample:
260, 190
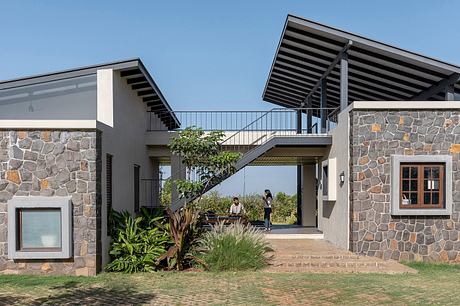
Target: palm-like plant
184, 232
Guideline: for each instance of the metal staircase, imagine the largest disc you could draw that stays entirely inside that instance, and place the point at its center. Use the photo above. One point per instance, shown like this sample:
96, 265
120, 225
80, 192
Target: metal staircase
273, 128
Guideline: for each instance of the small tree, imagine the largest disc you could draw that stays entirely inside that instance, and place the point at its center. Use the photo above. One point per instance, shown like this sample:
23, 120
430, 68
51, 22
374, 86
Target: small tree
205, 161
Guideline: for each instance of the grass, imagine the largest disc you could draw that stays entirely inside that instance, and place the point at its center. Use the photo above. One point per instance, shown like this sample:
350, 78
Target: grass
434, 284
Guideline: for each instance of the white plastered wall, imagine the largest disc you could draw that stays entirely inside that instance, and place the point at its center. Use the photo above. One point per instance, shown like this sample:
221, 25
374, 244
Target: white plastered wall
333, 216
123, 123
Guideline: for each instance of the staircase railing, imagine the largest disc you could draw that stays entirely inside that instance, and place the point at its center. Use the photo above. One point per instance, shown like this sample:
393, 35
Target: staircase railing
255, 132
280, 122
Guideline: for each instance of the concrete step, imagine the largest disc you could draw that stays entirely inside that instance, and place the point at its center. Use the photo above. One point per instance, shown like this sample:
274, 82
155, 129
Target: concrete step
281, 256
329, 264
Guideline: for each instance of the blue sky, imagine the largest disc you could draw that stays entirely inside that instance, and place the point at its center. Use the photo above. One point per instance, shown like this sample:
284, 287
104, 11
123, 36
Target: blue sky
207, 54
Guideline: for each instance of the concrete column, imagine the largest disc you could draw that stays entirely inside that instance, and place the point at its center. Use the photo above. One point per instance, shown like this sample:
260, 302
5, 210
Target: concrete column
155, 185
308, 195
178, 172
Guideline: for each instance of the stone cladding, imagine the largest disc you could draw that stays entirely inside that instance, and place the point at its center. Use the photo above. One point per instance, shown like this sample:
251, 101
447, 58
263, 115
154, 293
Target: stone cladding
375, 136
53, 164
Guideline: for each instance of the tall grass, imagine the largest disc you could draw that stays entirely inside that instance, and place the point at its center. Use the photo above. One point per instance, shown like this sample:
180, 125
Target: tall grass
234, 247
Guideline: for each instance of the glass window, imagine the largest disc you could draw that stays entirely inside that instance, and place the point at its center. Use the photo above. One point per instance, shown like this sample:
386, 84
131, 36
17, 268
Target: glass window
422, 185
325, 181
39, 228
66, 99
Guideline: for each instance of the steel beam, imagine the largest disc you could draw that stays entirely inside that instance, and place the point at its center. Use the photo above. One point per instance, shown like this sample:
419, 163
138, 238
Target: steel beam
299, 122
344, 81
309, 116
438, 87
450, 92
323, 104
299, 194
330, 68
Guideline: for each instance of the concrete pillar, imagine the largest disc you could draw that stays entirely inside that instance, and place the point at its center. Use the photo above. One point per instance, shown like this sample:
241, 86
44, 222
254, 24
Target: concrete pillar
178, 172
155, 185
308, 195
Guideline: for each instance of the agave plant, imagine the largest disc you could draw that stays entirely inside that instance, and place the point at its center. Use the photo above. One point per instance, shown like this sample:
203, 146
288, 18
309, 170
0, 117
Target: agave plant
184, 232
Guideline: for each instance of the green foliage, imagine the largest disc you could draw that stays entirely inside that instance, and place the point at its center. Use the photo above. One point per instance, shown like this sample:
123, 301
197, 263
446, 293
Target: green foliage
136, 242
184, 231
202, 155
234, 247
165, 196
284, 206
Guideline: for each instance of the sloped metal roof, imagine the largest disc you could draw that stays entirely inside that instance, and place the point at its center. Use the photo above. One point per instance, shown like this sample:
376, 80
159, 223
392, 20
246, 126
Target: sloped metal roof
377, 71
132, 70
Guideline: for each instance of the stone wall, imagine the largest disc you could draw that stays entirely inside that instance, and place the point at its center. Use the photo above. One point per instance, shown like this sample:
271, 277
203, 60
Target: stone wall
53, 163
375, 136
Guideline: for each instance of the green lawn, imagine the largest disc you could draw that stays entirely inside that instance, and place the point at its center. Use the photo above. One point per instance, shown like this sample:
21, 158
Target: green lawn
434, 284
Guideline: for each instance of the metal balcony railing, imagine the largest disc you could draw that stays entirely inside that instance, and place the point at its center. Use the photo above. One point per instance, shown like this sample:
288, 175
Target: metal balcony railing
277, 119
151, 192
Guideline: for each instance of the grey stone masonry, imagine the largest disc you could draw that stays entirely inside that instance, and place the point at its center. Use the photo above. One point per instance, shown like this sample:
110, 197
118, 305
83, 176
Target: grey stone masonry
376, 135
53, 164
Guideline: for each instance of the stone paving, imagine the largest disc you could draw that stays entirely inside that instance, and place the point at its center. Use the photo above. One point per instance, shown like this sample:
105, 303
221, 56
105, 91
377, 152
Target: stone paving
321, 256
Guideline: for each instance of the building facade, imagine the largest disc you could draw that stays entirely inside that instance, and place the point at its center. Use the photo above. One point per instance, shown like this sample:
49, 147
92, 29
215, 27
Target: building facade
72, 147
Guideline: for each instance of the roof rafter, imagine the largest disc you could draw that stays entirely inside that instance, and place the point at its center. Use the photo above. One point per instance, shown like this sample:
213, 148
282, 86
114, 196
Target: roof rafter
437, 87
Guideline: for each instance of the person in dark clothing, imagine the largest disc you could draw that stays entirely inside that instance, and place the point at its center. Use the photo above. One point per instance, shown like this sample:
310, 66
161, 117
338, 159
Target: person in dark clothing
268, 200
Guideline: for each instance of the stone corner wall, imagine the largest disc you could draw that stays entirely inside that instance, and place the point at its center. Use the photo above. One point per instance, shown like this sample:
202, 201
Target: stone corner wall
376, 135
53, 163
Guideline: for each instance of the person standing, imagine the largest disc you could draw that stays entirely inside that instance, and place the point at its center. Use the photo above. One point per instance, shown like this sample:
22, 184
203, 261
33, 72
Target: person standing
268, 200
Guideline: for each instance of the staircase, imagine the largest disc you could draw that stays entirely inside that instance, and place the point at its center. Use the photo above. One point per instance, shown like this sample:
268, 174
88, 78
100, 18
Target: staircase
273, 128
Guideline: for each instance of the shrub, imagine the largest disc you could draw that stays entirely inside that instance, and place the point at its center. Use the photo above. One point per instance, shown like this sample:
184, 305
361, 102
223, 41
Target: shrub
234, 247
184, 232
136, 242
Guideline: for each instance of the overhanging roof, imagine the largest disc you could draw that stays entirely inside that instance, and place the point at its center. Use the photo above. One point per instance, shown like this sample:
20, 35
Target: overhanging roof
133, 71
377, 71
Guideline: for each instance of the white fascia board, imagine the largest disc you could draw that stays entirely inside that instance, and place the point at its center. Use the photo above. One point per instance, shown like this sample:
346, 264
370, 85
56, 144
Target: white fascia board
397, 105
47, 124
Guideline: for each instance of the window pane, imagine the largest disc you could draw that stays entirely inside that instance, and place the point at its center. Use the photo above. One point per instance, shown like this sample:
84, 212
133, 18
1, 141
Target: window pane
434, 185
413, 198
413, 172
41, 228
435, 198
413, 185
405, 199
427, 172
435, 172
426, 198
425, 185
405, 185
405, 172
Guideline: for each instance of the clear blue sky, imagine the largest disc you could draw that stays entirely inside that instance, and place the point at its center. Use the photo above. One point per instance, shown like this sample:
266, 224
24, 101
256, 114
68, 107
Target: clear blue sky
207, 54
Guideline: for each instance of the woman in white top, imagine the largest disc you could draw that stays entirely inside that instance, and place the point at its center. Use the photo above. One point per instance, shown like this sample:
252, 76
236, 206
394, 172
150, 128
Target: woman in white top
237, 208
268, 199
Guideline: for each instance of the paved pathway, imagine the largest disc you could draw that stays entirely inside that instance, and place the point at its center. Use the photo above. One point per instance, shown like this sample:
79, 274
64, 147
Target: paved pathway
321, 256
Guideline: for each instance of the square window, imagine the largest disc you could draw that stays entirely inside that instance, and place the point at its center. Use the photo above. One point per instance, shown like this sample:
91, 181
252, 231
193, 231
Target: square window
421, 185
39, 229
425, 180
